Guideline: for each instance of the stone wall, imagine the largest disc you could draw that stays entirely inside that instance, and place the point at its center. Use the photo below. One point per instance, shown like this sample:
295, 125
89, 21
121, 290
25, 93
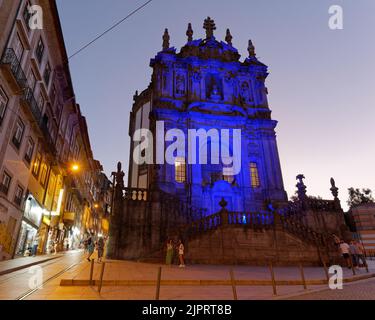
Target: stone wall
238, 245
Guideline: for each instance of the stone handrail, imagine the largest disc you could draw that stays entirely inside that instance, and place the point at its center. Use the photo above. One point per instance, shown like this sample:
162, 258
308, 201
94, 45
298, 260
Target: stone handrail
302, 231
136, 194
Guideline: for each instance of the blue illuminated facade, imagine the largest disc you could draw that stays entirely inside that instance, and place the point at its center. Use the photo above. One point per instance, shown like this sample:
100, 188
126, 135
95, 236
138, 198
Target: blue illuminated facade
204, 86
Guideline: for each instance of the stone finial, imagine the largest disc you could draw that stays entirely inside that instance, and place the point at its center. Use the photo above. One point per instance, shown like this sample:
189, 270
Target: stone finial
251, 49
301, 187
189, 33
209, 25
334, 189
228, 37
166, 39
223, 203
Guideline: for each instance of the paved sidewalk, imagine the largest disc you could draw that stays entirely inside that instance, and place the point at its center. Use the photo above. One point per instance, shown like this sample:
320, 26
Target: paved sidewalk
9, 266
12, 265
146, 274
361, 290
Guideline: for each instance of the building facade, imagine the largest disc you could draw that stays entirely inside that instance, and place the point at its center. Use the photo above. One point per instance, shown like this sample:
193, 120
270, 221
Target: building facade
242, 216
364, 219
207, 89
42, 134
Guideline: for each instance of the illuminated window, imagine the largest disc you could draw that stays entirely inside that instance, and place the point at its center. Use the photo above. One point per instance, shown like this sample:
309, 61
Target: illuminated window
254, 175
43, 175
180, 170
36, 165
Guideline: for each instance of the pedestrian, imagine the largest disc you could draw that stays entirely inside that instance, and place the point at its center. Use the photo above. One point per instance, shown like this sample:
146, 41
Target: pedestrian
181, 250
354, 253
55, 243
345, 251
66, 244
169, 257
100, 247
90, 247
35, 244
361, 253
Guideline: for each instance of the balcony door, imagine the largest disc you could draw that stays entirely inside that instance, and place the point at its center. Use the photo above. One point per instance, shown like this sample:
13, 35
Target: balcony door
18, 47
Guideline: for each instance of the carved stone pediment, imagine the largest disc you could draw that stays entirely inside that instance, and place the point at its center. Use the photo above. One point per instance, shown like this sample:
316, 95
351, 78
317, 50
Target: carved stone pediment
213, 108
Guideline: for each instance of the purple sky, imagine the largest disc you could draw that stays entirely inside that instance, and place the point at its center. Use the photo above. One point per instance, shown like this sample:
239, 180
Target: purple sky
321, 85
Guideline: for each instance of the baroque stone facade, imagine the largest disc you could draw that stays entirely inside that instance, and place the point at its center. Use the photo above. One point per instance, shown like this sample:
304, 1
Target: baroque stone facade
205, 86
222, 218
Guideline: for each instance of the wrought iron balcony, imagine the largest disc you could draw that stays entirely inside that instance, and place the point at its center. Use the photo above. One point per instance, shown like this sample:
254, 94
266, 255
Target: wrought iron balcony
49, 143
28, 97
10, 59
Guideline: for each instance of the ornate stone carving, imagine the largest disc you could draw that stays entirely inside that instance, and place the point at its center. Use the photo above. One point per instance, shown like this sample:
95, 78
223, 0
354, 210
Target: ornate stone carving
334, 189
228, 37
180, 84
301, 188
189, 33
166, 40
209, 25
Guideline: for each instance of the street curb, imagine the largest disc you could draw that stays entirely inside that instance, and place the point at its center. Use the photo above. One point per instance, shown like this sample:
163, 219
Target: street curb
348, 282
27, 265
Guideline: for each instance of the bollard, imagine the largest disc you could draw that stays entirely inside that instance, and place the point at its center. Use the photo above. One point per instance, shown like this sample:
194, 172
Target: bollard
273, 280
101, 278
233, 284
303, 276
158, 284
325, 270
91, 271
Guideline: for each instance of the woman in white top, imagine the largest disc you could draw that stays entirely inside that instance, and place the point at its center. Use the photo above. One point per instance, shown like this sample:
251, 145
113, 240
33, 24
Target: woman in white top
181, 249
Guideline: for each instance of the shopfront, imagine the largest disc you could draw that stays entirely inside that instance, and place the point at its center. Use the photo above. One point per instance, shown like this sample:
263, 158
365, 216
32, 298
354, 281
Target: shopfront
29, 227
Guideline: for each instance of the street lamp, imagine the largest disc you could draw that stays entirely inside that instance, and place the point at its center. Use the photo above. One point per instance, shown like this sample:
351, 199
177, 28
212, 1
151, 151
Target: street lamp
75, 167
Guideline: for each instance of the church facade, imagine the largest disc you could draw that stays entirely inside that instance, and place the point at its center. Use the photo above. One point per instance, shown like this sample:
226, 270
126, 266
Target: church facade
206, 86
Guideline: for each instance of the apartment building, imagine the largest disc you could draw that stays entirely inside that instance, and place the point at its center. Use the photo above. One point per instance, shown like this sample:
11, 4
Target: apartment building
43, 135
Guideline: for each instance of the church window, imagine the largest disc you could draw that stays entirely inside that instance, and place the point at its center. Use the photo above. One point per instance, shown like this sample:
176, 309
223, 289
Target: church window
180, 170
254, 175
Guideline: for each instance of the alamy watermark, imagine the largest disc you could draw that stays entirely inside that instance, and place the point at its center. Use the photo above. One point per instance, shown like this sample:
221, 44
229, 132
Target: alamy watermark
35, 17
336, 20
336, 280
224, 144
36, 280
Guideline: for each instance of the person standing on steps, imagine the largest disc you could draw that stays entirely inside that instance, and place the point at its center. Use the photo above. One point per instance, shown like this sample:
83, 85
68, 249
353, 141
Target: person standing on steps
181, 250
169, 257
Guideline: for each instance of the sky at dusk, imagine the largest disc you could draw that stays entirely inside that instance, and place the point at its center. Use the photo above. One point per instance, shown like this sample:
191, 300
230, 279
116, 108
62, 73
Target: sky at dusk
321, 82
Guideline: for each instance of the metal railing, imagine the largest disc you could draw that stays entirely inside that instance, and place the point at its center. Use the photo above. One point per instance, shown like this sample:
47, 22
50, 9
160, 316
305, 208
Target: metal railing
29, 98
10, 58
